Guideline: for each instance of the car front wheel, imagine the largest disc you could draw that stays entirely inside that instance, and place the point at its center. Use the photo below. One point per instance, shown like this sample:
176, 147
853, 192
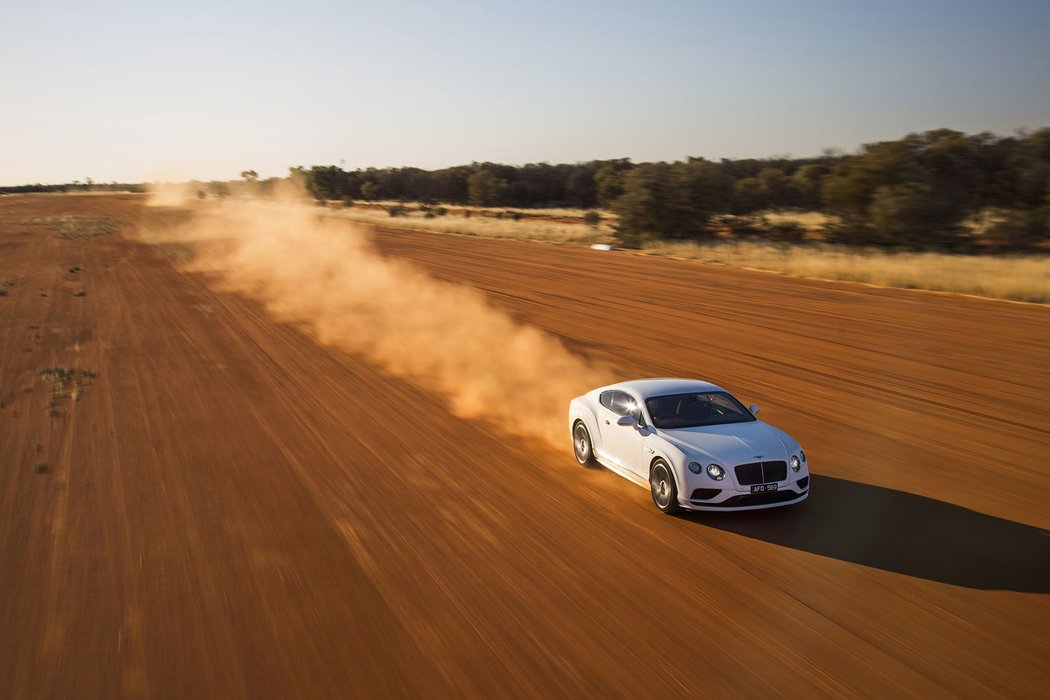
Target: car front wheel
581, 444
661, 483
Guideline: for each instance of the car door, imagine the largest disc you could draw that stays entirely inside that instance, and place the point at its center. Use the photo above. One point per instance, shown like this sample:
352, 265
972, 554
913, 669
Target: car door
621, 443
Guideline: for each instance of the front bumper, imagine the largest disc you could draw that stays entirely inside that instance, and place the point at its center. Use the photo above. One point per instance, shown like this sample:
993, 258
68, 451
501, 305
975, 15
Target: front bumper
741, 498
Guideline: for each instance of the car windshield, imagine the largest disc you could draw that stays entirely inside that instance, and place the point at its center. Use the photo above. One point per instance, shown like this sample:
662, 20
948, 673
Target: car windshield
696, 409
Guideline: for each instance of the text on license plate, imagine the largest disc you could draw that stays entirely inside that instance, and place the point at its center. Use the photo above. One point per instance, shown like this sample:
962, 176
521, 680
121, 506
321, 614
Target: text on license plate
762, 488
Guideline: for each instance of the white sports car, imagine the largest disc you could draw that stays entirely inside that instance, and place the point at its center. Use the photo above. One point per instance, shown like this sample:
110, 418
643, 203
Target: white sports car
695, 445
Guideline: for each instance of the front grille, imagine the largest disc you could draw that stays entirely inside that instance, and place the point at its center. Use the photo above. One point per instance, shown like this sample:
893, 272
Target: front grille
704, 494
761, 472
803, 483
758, 499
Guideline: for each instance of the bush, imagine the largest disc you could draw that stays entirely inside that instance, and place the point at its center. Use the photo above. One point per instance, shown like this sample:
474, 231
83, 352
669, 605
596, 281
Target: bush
441, 211
1022, 229
853, 231
348, 201
670, 200
397, 210
786, 232
745, 226
592, 218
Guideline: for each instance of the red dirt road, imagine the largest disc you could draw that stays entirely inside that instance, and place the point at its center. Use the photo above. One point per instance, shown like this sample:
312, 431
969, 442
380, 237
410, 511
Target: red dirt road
229, 509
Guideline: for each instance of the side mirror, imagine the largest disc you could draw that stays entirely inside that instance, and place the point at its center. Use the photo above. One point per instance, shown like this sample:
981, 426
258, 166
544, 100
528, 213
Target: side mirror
626, 420
754, 409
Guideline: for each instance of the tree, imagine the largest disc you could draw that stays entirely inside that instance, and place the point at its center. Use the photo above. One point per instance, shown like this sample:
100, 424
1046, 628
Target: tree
249, 175
369, 191
669, 200
910, 215
748, 195
581, 190
775, 188
806, 183
609, 179
485, 189
325, 182
1022, 228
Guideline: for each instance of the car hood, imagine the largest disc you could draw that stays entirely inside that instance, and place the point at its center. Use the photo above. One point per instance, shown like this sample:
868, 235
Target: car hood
733, 443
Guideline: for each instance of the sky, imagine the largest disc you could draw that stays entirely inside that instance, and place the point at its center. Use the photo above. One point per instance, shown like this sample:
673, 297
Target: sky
147, 90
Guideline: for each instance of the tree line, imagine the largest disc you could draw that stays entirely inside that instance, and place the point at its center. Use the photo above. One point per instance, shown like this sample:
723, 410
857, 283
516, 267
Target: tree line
917, 192
75, 186
923, 191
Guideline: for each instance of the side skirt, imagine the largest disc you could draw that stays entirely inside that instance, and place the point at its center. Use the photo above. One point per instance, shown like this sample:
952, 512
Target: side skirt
620, 469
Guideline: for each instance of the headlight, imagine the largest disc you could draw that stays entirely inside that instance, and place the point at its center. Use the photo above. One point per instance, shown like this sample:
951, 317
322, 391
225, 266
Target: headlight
716, 472
796, 463
695, 467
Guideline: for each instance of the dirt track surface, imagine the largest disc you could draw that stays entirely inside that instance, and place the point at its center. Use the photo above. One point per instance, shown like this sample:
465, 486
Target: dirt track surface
229, 509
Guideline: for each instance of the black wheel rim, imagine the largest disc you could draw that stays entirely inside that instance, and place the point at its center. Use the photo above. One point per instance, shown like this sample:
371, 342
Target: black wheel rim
661, 485
581, 443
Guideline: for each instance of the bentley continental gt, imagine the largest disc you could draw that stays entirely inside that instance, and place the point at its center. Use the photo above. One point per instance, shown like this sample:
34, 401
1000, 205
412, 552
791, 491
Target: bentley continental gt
692, 443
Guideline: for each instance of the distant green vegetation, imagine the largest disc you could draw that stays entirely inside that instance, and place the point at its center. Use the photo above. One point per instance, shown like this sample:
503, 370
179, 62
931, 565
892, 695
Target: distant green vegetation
920, 192
76, 186
939, 190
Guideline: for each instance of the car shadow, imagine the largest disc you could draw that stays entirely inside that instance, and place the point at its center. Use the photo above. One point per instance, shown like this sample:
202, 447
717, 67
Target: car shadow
901, 532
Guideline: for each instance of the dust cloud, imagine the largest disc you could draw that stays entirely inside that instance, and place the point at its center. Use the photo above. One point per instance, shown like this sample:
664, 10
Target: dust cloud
325, 275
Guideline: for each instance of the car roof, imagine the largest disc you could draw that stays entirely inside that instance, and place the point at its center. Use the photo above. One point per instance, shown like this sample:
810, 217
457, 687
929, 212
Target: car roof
662, 386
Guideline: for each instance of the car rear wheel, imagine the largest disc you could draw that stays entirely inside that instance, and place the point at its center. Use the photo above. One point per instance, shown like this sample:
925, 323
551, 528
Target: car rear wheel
581, 444
661, 483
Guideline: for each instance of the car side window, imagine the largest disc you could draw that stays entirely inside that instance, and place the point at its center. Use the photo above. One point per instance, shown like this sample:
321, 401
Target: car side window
621, 403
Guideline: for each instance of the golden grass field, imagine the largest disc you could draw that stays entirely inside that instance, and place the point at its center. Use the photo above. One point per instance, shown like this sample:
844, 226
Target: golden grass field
1020, 278
487, 226
1016, 278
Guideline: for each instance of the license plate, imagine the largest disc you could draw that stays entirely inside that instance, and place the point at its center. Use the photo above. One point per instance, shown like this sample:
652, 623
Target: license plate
762, 488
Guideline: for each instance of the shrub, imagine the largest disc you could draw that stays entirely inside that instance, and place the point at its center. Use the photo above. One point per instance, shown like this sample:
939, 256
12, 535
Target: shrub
592, 218
397, 210
1022, 229
745, 226
786, 232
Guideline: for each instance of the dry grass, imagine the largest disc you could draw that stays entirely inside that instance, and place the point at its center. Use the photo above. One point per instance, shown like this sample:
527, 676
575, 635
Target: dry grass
485, 227
1018, 278
487, 211
809, 220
